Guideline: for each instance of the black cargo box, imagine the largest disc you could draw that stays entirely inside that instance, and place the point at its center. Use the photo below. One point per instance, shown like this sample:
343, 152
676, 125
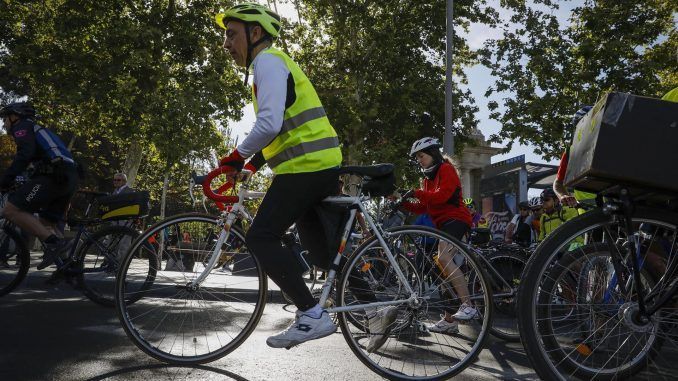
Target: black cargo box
123, 206
626, 141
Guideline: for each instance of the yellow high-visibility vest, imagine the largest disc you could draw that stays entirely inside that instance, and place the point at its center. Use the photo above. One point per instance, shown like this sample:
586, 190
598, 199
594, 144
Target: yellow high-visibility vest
307, 141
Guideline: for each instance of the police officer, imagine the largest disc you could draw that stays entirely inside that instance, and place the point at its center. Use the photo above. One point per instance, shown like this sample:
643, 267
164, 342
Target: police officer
49, 191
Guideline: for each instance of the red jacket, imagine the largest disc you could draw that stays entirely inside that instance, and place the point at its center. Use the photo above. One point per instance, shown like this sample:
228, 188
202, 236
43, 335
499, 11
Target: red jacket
436, 198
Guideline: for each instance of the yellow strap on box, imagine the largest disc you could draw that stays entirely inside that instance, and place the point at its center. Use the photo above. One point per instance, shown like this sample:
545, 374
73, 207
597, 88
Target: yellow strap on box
132, 210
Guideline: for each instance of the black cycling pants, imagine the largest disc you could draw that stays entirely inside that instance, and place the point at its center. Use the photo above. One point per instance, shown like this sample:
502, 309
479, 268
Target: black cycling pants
48, 195
290, 198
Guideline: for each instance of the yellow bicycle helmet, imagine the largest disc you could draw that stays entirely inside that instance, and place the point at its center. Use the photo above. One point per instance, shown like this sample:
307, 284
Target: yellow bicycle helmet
252, 13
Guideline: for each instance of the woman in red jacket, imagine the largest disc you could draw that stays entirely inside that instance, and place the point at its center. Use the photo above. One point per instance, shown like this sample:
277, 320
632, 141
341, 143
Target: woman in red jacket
441, 197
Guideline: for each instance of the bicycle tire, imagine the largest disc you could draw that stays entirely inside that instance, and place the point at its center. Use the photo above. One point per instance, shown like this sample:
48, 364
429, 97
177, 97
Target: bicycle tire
400, 358
504, 308
541, 273
16, 260
233, 309
97, 262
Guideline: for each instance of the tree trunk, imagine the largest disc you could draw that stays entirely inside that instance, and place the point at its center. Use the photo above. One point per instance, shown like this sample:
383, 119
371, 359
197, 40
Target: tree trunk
132, 162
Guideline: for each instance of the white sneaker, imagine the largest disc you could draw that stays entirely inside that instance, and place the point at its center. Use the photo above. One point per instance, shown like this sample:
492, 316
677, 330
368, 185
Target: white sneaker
304, 328
444, 326
466, 312
380, 325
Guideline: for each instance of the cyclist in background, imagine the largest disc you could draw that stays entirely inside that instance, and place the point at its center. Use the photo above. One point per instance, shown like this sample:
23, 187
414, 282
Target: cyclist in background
441, 197
536, 212
519, 230
475, 214
554, 214
49, 191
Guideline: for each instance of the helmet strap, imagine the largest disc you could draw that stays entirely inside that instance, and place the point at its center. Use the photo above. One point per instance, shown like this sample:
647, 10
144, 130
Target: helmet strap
250, 49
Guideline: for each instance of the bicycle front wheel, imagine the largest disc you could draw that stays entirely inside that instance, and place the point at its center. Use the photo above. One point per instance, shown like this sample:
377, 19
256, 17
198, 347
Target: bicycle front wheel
578, 304
98, 260
14, 259
414, 349
188, 315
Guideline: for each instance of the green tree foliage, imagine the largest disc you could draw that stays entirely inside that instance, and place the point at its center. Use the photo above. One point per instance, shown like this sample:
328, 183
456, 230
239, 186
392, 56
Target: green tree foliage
151, 71
7, 150
378, 66
546, 71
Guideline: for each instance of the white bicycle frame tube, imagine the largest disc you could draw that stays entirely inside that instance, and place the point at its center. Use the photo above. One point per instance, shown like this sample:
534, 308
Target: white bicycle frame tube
237, 209
378, 233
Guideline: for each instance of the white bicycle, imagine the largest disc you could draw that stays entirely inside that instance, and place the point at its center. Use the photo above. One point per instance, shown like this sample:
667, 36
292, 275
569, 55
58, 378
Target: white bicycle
197, 313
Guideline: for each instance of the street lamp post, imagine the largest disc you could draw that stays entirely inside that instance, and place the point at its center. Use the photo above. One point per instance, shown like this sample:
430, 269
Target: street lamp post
448, 140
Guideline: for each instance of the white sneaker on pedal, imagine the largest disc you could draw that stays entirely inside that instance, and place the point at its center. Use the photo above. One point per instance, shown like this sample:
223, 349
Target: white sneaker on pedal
444, 326
380, 325
304, 328
466, 312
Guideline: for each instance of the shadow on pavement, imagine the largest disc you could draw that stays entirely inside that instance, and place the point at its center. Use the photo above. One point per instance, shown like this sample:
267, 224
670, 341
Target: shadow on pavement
168, 372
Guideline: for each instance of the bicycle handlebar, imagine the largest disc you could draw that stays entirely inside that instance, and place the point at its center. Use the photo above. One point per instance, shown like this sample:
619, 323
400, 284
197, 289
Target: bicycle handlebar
207, 185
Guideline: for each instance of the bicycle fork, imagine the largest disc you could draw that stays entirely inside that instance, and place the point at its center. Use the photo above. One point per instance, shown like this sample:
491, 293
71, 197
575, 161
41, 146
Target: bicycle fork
216, 253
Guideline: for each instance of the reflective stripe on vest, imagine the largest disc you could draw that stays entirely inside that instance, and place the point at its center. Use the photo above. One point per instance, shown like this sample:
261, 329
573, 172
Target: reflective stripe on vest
302, 149
306, 141
301, 118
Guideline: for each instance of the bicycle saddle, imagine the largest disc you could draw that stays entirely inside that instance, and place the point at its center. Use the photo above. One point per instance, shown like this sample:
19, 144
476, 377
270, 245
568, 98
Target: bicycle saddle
377, 170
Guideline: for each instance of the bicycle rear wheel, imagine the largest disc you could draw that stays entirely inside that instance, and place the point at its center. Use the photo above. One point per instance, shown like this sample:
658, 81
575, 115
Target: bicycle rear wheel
14, 259
509, 266
411, 351
98, 260
175, 320
578, 306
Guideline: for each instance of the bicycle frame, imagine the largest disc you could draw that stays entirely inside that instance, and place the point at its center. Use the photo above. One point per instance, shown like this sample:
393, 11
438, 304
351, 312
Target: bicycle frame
493, 276
633, 256
226, 220
379, 233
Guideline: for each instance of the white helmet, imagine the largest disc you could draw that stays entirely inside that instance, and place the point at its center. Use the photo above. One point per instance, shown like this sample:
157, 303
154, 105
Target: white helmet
423, 144
535, 202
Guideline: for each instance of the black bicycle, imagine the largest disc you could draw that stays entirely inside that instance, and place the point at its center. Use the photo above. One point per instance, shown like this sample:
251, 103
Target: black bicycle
92, 261
599, 299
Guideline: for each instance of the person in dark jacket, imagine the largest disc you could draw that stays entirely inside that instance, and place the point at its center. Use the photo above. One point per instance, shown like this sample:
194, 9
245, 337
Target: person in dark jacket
49, 191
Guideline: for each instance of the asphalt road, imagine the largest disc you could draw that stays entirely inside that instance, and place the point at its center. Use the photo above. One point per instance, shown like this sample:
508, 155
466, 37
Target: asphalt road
55, 333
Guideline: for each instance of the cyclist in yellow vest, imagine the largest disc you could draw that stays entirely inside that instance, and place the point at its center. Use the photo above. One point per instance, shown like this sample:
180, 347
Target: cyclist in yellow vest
554, 214
671, 96
294, 137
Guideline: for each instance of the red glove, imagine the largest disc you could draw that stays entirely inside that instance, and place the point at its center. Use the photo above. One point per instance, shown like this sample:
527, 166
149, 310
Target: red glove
251, 167
234, 160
